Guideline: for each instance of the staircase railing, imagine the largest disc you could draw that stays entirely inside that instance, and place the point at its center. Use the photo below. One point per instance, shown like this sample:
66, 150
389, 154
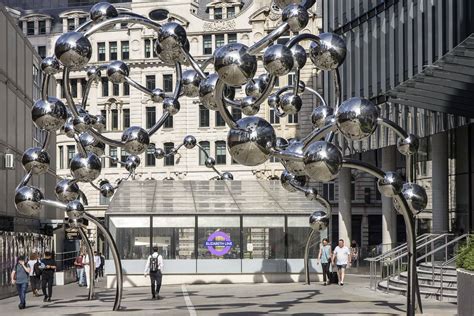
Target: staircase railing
441, 272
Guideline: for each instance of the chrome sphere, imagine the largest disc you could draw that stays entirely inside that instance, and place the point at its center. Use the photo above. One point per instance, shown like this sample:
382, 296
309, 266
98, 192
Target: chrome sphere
75, 209
391, 184
322, 160
28, 200
416, 197
100, 123
249, 105
311, 194
319, 220
158, 95
296, 167
408, 146
171, 105
136, 140
82, 122
191, 82
159, 153
50, 66
49, 115
117, 72
320, 115
255, 88
291, 103
250, 140
281, 143
210, 162
357, 118
107, 190
74, 223
274, 101
132, 163
91, 144
299, 56
68, 128
93, 73
234, 65
102, 11
296, 16
171, 38
207, 91
282, 4
278, 60
73, 50
330, 53
287, 179
36, 160
265, 78
85, 169
227, 176
189, 142
67, 190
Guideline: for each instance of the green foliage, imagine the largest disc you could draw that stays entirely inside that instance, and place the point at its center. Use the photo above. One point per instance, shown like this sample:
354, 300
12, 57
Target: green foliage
465, 257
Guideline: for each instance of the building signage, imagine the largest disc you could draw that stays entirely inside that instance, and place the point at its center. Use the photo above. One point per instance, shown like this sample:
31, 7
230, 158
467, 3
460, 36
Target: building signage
219, 243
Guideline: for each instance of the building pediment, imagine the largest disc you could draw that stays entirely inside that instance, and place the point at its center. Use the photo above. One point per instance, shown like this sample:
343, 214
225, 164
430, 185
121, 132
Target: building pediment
73, 13
35, 16
224, 3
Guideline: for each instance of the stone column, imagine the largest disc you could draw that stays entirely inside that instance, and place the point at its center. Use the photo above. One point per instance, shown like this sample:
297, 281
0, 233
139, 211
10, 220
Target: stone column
345, 205
389, 215
440, 182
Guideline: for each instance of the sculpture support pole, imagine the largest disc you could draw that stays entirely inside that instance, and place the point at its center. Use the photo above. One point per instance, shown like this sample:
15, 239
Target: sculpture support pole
115, 255
306, 257
91, 263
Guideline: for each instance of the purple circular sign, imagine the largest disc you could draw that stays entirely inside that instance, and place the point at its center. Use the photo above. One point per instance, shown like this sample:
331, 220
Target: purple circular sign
211, 243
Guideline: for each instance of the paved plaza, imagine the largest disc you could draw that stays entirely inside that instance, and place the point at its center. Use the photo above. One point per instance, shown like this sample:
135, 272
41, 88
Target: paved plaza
229, 299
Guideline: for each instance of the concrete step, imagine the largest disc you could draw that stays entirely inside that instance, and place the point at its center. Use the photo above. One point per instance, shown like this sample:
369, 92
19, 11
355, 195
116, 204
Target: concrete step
447, 276
447, 288
400, 289
427, 266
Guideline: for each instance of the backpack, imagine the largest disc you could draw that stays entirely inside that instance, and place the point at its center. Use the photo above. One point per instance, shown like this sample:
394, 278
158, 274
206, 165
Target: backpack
153, 264
37, 268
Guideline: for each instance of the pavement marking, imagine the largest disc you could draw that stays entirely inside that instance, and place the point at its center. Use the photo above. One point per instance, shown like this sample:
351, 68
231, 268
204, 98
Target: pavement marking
187, 299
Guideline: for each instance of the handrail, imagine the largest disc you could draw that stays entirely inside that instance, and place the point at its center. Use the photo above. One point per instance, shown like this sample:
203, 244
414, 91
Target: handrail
443, 246
399, 248
421, 246
443, 267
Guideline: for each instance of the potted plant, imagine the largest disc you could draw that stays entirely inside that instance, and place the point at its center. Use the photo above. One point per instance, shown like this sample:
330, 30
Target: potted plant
465, 276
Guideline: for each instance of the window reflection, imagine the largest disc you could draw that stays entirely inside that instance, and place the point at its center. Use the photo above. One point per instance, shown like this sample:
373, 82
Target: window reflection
264, 237
174, 236
132, 236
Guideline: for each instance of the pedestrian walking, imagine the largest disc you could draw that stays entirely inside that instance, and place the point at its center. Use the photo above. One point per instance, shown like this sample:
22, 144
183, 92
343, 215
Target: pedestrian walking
354, 254
96, 264
35, 273
154, 267
79, 264
19, 276
324, 258
102, 265
47, 275
342, 258
87, 269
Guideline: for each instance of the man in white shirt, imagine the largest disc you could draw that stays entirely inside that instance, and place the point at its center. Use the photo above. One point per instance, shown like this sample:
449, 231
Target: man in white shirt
154, 266
97, 264
342, 257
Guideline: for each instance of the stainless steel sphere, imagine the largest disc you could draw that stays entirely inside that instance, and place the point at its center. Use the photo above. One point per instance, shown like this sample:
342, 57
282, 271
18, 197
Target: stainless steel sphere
36, 160
250, 140
68, 128
171, 38
107, 190
117, 72
291, 103
132, 162
135, 139
91, 144
75, 209
282, 4
249, 105
158, 95
311, 194
390, 185
296, 167
74, 223
49, 115
416, 197
28, 200
319, 220
102, 11
274, 101
322, 160
159, 153
287, 179
85, 169
296, 16
100, 123
210, 162
82, 123
255, 88
320, 115
281, 143
93, 73
171, 105
299, 56
234, 65
278, 60
357, 118
73, 50
330, 53
50, 66
227, 176
408, 146
207, 91
265, 78
189, 142
191, 82
67, 190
